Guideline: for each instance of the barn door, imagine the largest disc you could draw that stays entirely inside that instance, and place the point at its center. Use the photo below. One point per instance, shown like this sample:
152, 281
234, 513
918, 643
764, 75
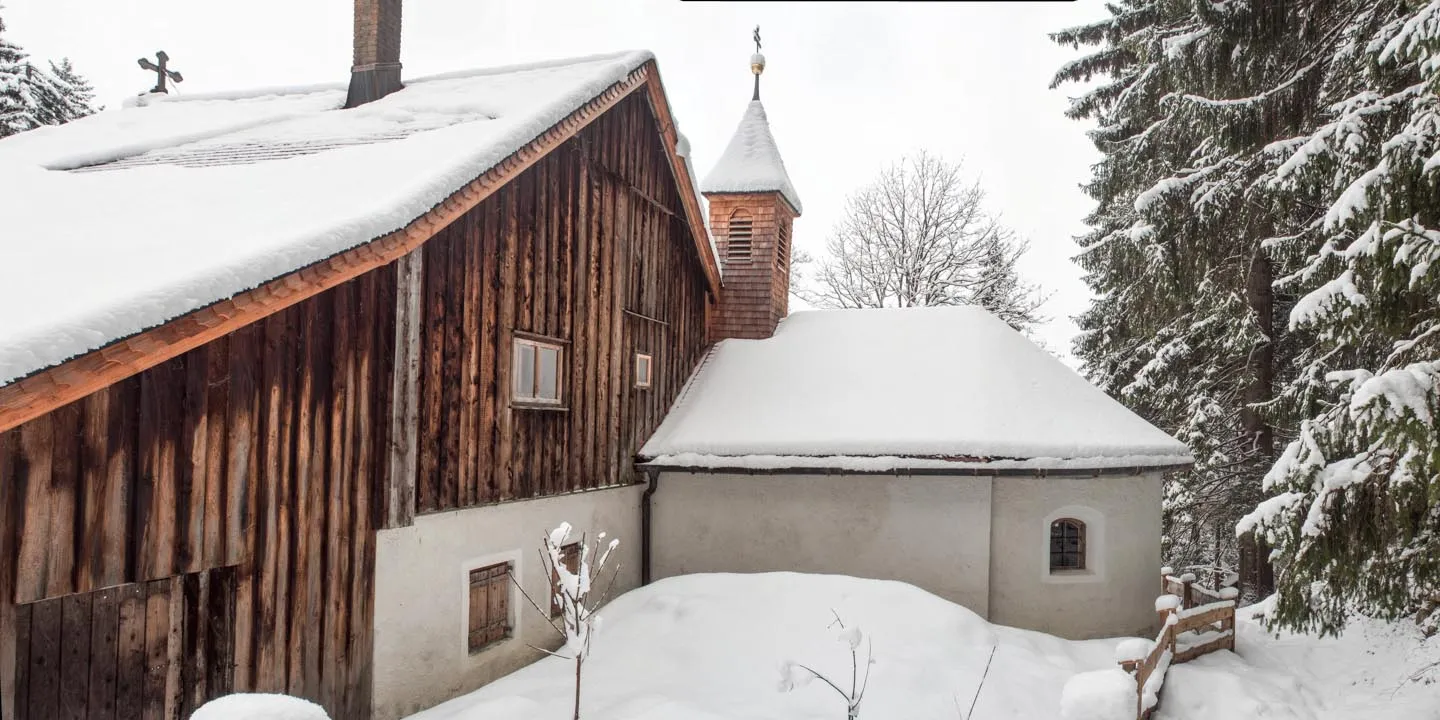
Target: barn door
143, 651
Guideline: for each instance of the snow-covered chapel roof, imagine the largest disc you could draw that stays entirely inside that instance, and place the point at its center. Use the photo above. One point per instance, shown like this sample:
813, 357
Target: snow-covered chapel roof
751, 162
124, 220
878, 390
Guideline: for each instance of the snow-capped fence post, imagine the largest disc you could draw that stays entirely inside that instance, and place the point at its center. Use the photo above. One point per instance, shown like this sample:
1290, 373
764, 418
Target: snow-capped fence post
571, 593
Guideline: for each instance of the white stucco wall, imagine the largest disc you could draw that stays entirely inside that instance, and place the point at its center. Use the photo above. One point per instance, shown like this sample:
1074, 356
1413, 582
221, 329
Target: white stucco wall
929, 531
422, 591
1115, 595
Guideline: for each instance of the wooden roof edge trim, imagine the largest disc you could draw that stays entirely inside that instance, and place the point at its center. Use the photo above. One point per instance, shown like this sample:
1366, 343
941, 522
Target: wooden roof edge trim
58, 385
669, 135
721, 195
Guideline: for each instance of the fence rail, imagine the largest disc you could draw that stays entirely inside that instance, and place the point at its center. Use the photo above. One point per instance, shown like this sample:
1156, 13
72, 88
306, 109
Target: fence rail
1194, 621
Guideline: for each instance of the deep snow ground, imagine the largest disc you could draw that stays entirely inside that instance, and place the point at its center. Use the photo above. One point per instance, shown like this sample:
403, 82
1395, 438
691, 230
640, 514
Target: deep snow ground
1373, 671
711, 647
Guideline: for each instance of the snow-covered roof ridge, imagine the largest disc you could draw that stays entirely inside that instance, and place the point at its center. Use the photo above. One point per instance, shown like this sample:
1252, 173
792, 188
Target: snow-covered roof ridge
124, 220
880, 390
752, 162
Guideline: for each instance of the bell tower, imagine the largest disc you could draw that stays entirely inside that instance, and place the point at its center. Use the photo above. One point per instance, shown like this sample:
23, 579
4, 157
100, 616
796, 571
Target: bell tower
753, 207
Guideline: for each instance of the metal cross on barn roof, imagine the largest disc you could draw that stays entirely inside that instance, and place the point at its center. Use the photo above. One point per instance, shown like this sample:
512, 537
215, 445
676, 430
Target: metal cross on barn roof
161, 72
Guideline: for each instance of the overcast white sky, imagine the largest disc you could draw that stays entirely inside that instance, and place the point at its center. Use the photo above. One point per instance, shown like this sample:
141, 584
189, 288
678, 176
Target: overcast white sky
849, 86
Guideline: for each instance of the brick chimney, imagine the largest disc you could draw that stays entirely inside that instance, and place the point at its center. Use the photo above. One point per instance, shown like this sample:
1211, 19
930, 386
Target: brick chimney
753, 207
376, 72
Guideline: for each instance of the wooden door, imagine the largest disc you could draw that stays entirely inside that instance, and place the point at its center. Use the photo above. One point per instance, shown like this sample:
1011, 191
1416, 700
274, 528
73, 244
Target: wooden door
144, 651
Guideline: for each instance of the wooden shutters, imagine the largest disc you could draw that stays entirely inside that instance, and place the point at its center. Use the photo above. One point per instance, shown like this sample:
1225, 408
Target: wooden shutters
489, 606
570, 558
144, 651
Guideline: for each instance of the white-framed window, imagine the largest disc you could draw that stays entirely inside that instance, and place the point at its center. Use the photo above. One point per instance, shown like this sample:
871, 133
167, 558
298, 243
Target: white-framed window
537, 371
644, 369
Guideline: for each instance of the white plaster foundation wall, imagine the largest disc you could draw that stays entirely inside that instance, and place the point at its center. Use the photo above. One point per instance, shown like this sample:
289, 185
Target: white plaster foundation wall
422, 590
930, 531
1115, 595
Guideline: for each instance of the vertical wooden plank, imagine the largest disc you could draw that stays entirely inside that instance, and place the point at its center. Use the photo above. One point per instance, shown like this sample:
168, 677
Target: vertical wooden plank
174, 647
505, 326
221, 625
10, 514
404, 413
269, 496
75, 631
131, 659
24, 622
33, 529
45, 658
286, 494
90, 555
104, 654
490, 244
541, 268
454, 240
594, 222
580, 309
157, 648
605, 271
217, 389
469, 239
194, 641
242, 470
427, 490
155, 500
190, 476
64, 498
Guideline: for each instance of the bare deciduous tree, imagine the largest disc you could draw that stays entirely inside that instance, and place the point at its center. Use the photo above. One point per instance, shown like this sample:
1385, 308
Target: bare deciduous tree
919, 235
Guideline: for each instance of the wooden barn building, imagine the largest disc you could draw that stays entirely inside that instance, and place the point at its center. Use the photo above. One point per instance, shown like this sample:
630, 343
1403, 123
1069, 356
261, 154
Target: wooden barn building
322, 365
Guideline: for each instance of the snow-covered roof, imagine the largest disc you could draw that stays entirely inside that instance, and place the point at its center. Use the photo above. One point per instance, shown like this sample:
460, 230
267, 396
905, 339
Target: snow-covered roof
751, 162
879, 390
124, 220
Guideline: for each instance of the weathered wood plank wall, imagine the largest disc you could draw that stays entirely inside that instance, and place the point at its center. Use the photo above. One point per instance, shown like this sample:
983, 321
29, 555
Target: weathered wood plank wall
588, 247
262, 450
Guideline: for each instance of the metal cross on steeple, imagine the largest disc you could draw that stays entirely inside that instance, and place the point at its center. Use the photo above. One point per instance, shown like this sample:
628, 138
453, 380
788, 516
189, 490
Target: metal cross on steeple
757, 64
161, 72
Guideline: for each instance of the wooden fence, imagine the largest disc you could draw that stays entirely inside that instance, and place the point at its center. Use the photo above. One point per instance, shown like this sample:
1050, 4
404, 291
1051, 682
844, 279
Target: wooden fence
1194, 621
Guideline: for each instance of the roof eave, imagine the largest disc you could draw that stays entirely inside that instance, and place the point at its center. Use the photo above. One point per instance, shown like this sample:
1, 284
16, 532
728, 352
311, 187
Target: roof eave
44, 390
962, 470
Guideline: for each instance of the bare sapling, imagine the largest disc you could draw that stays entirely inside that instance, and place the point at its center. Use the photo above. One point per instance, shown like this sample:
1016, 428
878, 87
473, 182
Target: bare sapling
794, 675
576, 620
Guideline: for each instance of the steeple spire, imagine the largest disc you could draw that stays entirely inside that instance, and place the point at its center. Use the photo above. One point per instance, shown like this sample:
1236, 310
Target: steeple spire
757, 65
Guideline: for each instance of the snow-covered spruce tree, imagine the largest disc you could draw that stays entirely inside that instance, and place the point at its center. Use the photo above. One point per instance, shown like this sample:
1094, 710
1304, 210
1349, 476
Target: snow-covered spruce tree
17, 101
918, 236
1356, 509
71, 97
572, 596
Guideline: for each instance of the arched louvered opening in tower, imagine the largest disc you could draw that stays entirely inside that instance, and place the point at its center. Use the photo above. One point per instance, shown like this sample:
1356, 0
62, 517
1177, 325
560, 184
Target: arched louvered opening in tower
782, 246
738, 247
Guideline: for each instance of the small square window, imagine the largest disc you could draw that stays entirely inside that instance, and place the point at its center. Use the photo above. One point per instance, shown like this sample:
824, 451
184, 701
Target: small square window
489, 606
644, 366
570, 558
537, 371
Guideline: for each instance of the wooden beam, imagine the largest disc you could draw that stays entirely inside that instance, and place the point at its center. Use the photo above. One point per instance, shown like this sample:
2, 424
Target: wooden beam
58, 385
405, 403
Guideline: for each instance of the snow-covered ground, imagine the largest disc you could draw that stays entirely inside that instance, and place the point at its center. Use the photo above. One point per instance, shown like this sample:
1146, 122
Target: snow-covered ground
712, 647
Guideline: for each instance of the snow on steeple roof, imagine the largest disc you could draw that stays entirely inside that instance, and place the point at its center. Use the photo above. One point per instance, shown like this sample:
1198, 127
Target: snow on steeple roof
751, 162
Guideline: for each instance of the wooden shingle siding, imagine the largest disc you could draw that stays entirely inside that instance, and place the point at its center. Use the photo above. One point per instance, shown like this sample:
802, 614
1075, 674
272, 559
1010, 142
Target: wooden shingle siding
757, 288
589, 247
262, 450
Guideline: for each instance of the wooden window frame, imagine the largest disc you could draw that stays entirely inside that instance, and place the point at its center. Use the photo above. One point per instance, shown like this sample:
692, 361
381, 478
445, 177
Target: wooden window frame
484, 630
1079, 553
740, 226
537, 343
570, 555
648, 361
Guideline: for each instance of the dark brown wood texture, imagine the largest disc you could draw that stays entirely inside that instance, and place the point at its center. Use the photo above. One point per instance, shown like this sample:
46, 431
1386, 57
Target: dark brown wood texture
263, 450
757, 285
589, 247
156, 649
